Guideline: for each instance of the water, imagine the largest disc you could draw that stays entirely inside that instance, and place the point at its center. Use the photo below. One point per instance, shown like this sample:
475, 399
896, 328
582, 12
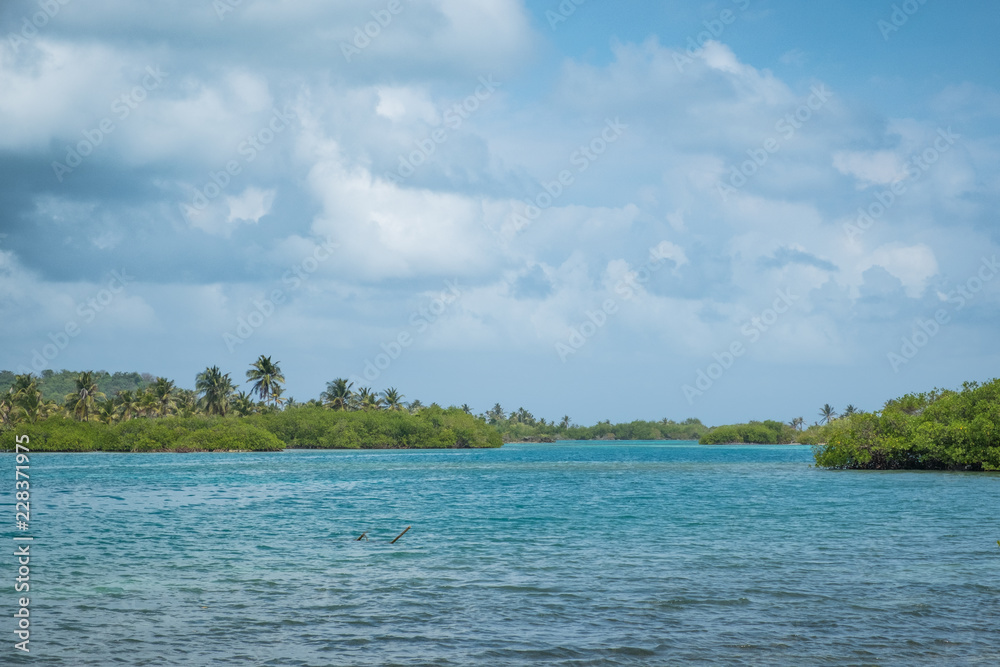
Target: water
568, 554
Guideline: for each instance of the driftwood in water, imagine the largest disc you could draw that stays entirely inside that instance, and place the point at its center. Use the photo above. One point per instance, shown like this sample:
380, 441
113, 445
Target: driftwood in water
400, 535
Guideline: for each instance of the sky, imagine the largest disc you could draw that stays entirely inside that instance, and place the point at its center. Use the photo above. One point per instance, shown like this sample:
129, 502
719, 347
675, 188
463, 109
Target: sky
730, 210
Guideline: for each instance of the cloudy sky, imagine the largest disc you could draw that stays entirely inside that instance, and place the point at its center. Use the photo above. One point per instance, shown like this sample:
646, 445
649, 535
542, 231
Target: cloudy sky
729, 210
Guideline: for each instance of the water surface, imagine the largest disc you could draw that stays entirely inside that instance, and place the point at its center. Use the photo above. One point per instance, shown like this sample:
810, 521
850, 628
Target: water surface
567, 554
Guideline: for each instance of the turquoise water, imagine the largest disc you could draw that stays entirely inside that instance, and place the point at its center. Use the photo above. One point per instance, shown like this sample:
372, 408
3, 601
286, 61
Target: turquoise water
567, 554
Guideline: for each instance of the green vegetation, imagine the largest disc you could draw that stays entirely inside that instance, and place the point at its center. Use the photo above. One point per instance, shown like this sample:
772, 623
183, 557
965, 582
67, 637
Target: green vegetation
939, 430
767, 432
522, 426
177, 434
147, 414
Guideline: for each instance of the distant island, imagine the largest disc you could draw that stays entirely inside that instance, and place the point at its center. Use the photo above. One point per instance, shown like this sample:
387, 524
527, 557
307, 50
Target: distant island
130, 412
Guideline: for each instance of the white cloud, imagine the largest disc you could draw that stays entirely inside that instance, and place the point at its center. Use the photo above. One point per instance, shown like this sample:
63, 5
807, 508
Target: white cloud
870, 167
250, 206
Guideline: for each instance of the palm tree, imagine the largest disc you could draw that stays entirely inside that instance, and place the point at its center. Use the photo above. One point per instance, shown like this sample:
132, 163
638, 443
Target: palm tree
797, 423
368, 400
495, 414
148, 403
267, 379
82, 402
392, 399
107, 411
216, 389
827, 413
166, 401
338, 394
187, 402
416, 406
565, 422
850, 410
243, 404
128, 404
466, 409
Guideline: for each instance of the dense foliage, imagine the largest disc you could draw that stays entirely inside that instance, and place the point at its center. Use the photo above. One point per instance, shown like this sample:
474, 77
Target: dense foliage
767, 432
147, 414
521, 425
197, 434
940, 430
54, 385
314, 427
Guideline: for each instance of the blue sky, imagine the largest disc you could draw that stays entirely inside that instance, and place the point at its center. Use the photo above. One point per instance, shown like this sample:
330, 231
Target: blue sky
479, 204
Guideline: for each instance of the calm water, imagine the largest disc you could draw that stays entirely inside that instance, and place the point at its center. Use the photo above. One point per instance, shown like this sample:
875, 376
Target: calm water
568, 554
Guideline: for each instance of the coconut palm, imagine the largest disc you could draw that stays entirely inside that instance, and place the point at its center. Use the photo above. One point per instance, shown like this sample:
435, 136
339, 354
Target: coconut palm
368, 399
466, 409
216, 389
82, 403
392, 399
850, 410
107, 411
187, 402
797, 423
166, 401
338, 394
565, 422
267, 379
827, 413
495, 414
31, 407
243, 404
148, 403
128, 404
415, 406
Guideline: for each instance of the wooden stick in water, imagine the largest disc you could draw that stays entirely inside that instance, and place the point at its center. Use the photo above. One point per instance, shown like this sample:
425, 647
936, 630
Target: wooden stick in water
400, 535
362, 536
